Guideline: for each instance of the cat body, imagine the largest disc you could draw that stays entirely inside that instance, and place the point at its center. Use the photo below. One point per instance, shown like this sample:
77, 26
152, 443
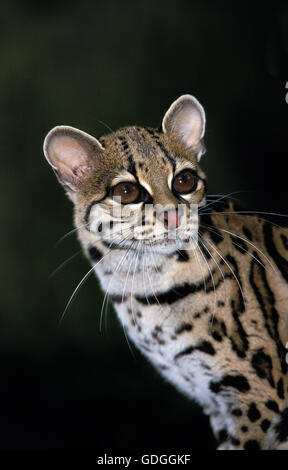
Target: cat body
205, 301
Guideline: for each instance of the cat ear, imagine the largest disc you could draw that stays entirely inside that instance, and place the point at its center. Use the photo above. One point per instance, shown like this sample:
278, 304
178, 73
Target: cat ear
72, 154
186, 119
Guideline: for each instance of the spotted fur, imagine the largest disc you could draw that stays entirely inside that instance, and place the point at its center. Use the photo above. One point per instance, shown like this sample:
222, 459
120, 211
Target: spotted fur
212, 319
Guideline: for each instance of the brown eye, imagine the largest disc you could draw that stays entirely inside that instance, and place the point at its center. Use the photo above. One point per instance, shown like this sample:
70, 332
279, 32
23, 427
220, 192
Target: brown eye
184, 182
128, 192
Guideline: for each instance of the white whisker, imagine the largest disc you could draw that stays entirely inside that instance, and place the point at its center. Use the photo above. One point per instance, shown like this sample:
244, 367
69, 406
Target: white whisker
64, 263
222, 274
232, 271
211, 274
236, 244
250, 243
223, 197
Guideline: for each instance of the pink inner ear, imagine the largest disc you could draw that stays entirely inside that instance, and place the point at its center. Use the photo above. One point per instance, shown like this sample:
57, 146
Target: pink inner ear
186, 118
192, 138
73, 154
66, 150
67, 156
189, 126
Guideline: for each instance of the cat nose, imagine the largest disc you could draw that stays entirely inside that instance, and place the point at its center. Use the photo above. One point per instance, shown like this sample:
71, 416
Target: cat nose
170, 219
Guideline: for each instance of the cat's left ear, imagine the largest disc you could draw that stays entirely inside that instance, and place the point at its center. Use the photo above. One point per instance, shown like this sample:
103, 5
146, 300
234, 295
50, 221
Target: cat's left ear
186, 119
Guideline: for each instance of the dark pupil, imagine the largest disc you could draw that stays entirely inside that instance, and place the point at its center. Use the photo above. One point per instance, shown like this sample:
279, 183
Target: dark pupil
183, 179
128, 192
184, 182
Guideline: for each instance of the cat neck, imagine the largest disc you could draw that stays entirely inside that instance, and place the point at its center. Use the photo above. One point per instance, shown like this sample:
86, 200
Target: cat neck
144, 271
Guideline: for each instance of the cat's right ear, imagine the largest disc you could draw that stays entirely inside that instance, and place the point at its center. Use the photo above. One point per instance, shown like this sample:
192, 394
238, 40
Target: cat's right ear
73, 154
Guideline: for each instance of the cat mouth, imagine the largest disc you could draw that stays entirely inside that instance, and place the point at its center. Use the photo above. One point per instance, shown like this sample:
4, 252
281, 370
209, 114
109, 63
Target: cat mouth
167, 241
171, 245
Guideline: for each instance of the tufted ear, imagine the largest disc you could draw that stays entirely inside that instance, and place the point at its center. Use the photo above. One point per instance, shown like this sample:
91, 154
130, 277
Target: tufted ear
72, 154
186, 119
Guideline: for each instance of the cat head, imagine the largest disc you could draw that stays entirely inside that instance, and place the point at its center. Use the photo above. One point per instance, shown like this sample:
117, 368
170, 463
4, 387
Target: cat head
136, 185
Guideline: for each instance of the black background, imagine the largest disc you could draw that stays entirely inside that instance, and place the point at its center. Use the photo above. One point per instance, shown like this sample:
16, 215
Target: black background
118, 62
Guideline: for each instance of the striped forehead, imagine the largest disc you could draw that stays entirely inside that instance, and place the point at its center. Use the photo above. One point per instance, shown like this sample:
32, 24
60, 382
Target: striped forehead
144, 149
146, 157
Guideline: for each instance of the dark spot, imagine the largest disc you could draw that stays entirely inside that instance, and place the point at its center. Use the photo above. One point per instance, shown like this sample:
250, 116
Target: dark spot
253, 413
94, 253
239, 382
220, 303
182, 256
244, 428
222, 436
252, 444
265, 425
216, 336
184, 327
262, 363
214, 233
204, 346
166, 153
131, 165
266, 300
247, 233
280, 388
232, 261
236, 412
174, 294
272, 405
223, 327
280, 262
239, 244
238, 338
282, 427
235, 441
205, 252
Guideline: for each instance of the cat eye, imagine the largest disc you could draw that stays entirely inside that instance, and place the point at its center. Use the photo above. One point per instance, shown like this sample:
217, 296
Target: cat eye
128, 192
184, 182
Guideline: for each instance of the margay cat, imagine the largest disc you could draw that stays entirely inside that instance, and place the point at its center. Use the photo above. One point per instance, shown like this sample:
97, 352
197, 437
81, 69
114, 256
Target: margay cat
214, 318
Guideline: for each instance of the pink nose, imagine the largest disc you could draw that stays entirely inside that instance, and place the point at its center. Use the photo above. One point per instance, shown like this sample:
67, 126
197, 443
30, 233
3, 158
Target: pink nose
170, 219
